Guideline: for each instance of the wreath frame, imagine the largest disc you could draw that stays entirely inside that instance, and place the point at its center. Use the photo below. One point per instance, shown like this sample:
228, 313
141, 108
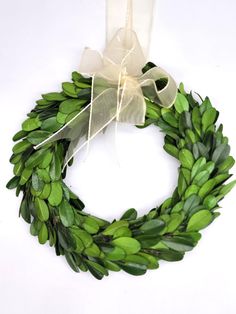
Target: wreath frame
131, 243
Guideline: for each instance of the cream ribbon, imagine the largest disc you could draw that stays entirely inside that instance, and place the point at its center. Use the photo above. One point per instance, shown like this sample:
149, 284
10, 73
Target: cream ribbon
118, 85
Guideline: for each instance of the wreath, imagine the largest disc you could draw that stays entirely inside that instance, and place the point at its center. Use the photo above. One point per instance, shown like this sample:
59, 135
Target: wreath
131, 243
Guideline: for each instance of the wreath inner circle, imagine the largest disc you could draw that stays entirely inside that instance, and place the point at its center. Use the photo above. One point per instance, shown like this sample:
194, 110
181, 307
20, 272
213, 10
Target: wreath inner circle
131, 243
137, 165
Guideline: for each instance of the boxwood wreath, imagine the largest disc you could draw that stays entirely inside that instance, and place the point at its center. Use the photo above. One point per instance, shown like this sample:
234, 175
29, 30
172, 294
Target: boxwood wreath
131, 243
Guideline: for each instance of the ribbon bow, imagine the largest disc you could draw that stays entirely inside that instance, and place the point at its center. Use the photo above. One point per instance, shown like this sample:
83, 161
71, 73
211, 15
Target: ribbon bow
118, 87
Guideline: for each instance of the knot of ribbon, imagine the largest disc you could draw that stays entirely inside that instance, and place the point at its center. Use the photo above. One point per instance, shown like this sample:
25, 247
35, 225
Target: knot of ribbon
118, 88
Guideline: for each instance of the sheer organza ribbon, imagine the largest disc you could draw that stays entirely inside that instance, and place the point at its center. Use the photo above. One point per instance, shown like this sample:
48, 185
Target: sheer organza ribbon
118, 85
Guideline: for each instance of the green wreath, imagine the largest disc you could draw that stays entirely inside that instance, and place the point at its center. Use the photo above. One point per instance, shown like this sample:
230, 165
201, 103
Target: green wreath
131, 243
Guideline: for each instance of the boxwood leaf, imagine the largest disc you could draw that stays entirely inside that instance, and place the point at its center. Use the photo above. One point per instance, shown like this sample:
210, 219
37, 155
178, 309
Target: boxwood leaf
133, 268
66, 213
90, 225
130, 214
43, 234
96, 269
181, 103
186, 158
129, 245
180, 244
153, 227
220, 153
199, 220
31, 124
170, 255
111, 229
42, 210
115, 254
56, 194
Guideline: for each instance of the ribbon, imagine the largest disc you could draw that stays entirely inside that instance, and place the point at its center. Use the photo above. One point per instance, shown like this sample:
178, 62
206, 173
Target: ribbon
118, 85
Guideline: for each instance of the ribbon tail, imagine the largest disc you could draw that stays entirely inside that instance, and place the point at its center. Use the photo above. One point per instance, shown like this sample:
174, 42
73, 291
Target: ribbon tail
86, 124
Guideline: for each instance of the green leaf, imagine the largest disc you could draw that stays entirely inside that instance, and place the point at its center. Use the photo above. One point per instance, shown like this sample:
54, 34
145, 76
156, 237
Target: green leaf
21, 147
35, 158
90, 225
55, 168
152, 260
14, 159
133, 268
137, 259
65, 239
196, 120
206, 104
69, 89
71, 261
179, 244
226, 165
96, 269
192, 189
43, 175
111, 229
56, 194
153, 227
76, 76
171, 150
31, 124
169, 117
61, 117
186, 158
45, 192
37, 183
111, 266
220, 153
66, 213
148, 241
54, 97
210, 201
12, 184
70, 105
25, 211
83, 235
51, 125
207, 188
19, 135
130, 214
47, 158
129, 245
79, 245
18, 168
201, 178
184, 122
174, 222
115, 254
26, 174
36, 137
193, 201
122, 232
92, 250
181, 103
182, 185
198, 166
43, 234
170, 255
199, 220
227, 188
42, 210
209, 117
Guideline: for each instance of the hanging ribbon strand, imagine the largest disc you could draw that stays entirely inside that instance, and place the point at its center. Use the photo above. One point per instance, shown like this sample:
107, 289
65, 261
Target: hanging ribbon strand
117, 79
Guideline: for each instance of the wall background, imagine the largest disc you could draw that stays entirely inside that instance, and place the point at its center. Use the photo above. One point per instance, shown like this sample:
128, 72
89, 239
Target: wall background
40, 45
